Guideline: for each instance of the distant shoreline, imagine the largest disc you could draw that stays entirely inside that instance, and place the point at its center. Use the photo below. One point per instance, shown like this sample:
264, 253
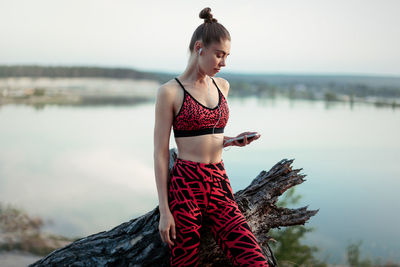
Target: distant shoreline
75, 91
74, 99
81, 86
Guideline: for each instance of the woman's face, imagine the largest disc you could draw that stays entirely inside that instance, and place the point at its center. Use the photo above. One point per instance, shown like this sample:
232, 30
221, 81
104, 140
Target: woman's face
213, 58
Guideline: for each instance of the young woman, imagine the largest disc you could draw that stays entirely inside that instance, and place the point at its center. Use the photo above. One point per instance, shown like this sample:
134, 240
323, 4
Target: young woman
195, 105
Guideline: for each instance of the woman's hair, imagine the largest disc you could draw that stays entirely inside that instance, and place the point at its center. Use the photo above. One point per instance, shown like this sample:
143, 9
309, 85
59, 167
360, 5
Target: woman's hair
210, 31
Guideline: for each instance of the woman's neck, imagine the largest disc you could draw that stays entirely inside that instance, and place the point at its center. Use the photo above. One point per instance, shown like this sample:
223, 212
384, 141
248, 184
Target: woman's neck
193, 75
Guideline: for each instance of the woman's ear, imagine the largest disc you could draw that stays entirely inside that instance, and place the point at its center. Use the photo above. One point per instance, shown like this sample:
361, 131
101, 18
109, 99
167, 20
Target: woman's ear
198, 47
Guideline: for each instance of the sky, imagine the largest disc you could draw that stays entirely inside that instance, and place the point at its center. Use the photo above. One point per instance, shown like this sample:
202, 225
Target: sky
355, 37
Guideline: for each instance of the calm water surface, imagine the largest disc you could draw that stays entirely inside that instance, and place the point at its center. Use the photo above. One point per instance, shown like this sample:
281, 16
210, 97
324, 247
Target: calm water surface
88, 169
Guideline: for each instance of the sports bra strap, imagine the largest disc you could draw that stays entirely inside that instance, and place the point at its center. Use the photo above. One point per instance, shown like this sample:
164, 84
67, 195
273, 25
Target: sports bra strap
180, 83
215, 83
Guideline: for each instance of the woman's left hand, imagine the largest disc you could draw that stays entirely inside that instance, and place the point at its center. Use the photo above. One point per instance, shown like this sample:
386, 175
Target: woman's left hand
245, 141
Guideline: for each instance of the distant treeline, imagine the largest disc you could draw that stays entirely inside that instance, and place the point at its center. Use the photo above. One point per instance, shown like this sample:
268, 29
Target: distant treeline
352, 85
75, 71
309, 89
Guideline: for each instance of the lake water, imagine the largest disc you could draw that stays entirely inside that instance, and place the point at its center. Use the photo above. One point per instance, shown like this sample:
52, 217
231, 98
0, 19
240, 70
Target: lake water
88, 169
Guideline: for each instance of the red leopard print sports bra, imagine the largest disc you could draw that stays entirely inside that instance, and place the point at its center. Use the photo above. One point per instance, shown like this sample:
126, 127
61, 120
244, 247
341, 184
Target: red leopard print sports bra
194, 118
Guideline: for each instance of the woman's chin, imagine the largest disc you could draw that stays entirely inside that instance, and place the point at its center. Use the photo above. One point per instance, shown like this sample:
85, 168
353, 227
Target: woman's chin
213, 72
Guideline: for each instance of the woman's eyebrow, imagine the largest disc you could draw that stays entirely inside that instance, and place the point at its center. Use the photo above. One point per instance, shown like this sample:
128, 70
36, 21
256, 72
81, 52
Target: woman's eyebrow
223, 51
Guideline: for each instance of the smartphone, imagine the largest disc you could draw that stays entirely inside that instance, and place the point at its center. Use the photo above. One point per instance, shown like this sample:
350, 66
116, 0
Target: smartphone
241, 138
249, 137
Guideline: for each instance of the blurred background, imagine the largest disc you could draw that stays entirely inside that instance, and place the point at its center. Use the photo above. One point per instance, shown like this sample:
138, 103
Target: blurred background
320, 80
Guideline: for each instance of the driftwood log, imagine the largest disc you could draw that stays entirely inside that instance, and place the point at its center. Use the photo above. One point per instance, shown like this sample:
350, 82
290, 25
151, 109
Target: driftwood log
138, 243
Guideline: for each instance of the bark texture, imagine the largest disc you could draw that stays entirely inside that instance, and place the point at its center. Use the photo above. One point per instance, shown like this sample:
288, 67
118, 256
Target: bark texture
138, 243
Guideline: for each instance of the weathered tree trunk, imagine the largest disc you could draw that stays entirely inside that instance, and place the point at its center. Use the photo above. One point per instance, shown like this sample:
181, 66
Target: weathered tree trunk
138, 242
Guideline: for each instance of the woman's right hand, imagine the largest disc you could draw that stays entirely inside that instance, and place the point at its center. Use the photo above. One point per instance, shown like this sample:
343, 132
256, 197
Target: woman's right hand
166, 227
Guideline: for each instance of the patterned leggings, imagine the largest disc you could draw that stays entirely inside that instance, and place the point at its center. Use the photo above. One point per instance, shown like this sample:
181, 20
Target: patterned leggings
198, 190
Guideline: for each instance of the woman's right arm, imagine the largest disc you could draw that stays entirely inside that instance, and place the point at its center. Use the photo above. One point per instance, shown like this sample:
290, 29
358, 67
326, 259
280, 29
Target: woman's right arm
162, 131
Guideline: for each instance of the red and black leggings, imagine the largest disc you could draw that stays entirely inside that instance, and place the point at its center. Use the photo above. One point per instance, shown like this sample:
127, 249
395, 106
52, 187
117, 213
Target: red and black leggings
197, 191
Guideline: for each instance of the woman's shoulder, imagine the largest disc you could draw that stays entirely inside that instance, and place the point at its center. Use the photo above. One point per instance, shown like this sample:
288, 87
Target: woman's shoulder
168, 89
169, 84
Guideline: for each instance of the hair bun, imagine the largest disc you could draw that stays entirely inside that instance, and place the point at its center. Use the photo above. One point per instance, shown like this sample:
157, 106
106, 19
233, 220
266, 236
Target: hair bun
207, 16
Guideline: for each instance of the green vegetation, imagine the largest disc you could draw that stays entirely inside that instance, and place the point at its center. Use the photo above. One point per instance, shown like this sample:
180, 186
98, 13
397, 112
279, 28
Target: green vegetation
288, 250
330, 96
353, 258
39, 92
380, 103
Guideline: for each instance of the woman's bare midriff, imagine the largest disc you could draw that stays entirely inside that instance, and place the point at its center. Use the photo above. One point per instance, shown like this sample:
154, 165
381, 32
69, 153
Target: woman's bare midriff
201, 148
